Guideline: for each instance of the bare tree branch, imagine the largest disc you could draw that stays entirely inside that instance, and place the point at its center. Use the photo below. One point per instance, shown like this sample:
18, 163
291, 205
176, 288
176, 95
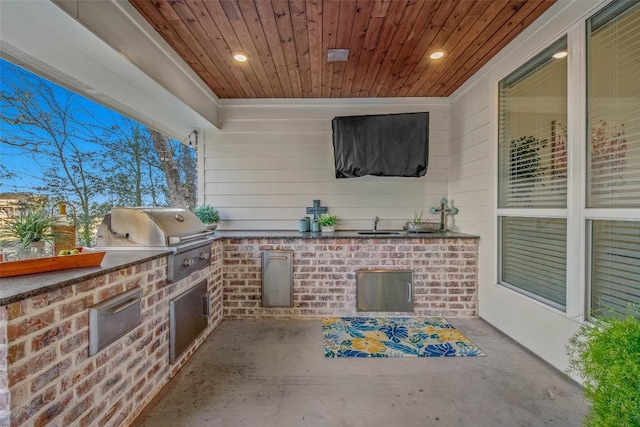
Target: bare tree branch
170, 168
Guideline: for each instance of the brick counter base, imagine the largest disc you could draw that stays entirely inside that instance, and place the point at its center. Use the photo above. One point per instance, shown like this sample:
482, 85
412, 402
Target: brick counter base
49, 377
324, 270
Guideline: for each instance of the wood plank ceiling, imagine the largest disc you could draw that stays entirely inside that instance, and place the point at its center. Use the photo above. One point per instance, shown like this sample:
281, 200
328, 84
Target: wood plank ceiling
287, 41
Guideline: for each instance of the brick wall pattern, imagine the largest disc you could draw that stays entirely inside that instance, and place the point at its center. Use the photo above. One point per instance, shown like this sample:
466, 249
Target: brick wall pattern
49, 374
324, 270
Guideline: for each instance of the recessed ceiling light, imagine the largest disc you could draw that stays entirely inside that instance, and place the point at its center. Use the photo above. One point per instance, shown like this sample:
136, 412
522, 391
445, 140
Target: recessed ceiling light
437, 54
240, 56
561, 54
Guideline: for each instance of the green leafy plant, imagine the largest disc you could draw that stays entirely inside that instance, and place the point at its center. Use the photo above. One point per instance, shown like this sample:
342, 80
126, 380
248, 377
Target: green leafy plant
326, 220
606, 354
417, 219
32, 226
419, 224
208, 214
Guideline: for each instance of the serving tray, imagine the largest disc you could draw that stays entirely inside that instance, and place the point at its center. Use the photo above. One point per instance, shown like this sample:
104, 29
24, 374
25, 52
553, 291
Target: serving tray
86, 258
423, 227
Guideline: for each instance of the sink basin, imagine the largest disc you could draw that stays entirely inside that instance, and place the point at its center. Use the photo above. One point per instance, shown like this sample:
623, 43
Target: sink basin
379, 232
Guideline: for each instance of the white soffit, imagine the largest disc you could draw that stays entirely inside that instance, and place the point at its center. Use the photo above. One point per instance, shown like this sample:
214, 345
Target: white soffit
41, 37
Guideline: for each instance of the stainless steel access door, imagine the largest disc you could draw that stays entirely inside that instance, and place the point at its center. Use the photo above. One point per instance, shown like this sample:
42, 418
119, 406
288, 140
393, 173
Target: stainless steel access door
188, 318
277, 279
384, 290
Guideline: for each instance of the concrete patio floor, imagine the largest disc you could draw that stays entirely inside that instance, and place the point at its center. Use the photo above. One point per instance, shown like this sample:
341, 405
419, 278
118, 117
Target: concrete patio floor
274, 374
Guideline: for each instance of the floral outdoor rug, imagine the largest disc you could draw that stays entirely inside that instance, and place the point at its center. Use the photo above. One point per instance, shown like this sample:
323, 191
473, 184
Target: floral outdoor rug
394, 337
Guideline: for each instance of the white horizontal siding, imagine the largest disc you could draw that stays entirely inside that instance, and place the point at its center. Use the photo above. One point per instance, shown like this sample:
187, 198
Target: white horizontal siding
271, 158
471, 163
327, 109
365, 200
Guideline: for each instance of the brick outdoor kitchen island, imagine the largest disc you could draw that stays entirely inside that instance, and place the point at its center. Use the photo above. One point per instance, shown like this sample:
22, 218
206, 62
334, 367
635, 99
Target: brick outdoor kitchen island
444, 269
46, 372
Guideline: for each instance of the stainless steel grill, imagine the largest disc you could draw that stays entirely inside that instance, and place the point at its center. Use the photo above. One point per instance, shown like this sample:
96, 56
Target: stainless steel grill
177, 230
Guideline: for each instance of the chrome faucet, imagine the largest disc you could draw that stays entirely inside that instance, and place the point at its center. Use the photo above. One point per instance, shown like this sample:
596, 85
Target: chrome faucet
375, 223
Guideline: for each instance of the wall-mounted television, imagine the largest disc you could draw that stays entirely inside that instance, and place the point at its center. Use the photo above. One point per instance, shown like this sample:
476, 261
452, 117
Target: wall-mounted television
381, 145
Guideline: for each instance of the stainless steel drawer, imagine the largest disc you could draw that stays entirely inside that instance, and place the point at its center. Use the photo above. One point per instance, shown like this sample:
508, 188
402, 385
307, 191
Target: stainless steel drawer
112, 319
384, 290
277, 278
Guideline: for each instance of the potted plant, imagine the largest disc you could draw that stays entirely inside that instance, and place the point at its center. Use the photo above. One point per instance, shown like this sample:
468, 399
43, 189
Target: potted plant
34, 228
606, 354
417, 224
209, 216
327, 223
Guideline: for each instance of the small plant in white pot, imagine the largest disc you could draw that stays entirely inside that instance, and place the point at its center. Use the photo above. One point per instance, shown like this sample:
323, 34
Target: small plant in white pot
327, 223
209, 216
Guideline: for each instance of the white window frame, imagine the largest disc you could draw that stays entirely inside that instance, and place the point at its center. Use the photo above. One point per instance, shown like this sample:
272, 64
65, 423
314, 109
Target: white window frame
556, 213
578, 216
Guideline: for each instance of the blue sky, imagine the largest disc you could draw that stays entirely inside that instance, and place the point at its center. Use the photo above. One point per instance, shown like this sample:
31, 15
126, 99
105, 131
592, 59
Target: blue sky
28, 170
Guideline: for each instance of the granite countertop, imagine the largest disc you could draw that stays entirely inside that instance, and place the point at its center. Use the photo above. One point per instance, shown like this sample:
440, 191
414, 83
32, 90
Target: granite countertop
340, 234
17, 288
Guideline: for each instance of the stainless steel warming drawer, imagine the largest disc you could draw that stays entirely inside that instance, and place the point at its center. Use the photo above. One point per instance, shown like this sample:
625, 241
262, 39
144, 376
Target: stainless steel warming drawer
384, 290
112, 319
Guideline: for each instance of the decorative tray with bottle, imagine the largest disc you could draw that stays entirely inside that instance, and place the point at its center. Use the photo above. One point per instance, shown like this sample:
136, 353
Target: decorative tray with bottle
86, 257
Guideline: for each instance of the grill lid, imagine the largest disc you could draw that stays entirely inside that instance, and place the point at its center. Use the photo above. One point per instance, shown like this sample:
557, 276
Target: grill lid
154, 226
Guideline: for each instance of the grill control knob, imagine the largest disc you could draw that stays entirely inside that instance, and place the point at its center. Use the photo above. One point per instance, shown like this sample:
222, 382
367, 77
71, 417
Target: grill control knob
204, 255
188, 262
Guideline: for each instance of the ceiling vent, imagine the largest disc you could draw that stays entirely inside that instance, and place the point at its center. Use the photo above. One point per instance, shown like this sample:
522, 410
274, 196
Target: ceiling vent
24, 60
337, 55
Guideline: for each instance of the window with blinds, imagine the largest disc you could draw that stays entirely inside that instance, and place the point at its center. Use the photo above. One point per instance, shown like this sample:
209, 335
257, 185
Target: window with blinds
613, 156
534, 255
532, 175
613, 96
615, 269
532, 171
532, 132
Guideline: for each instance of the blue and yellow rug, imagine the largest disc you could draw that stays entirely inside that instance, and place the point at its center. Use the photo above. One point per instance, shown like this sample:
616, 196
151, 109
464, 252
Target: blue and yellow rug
394, 337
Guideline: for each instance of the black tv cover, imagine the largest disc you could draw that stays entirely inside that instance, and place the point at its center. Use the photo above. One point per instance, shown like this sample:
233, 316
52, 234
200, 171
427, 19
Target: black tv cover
381, 145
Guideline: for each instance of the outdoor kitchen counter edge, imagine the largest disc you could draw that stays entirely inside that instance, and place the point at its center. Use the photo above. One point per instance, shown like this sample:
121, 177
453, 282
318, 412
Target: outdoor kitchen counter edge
346, 234
18, 288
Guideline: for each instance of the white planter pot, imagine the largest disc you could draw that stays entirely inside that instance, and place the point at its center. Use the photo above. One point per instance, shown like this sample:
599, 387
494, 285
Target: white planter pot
327, 228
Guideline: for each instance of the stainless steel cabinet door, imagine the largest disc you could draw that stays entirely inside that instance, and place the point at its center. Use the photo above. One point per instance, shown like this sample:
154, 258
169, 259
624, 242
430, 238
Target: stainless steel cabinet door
188, 318
384, 290
277, 279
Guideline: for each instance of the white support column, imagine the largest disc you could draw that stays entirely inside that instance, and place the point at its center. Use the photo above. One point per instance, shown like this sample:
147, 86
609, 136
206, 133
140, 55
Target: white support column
576, 173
